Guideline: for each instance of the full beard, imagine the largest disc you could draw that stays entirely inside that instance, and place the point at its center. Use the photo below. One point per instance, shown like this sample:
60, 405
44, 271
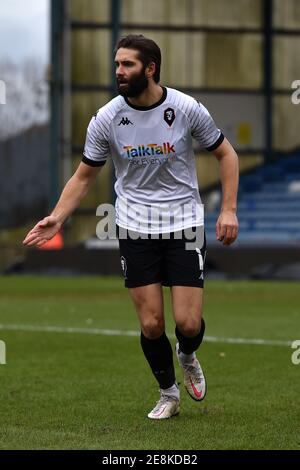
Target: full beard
133, 87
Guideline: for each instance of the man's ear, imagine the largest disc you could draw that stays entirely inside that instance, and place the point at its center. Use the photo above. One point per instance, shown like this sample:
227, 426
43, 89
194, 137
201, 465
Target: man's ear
150, 69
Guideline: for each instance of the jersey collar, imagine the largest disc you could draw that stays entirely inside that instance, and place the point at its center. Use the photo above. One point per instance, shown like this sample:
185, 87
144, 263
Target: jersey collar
147, 108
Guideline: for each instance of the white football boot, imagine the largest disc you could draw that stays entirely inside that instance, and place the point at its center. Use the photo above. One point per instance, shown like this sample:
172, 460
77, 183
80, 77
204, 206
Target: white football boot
194, 379
166, 407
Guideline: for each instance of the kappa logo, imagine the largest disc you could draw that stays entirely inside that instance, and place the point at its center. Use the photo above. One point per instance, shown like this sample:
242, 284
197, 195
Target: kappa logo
169, 116
125, 121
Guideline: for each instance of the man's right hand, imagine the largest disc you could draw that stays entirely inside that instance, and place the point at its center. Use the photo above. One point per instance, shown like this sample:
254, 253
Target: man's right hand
43, 231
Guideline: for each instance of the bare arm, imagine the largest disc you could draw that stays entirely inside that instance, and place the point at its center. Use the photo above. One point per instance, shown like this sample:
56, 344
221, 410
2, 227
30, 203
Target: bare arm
227, 223
71, 196
74, 191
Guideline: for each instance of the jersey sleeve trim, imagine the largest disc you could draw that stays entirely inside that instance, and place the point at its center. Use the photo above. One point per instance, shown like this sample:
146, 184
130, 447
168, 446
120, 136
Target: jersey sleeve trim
90, 162
218, 142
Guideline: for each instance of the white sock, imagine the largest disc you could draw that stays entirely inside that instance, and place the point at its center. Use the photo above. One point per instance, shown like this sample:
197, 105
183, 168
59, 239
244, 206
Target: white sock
186, 358
172, 391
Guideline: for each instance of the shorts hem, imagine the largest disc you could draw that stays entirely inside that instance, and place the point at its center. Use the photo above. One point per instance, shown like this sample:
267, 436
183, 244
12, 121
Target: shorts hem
184, 284
133, 284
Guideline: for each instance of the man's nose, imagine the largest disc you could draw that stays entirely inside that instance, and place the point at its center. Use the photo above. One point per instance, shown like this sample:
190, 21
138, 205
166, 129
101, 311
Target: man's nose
119, 71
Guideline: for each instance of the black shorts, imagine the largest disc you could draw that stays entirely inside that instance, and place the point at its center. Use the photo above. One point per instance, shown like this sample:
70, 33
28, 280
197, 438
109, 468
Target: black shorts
162, 260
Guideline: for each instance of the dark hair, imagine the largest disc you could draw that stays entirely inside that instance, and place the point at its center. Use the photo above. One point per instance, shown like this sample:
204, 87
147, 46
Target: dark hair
148, 50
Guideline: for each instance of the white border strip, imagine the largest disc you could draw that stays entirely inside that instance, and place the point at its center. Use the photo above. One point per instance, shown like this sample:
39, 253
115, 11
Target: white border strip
104, 332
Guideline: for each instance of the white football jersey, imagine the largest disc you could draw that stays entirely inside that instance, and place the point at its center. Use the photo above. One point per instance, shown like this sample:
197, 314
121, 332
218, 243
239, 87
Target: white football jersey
156, 181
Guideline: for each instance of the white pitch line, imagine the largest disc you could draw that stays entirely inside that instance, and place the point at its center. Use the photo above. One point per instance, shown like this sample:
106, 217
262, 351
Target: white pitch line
104, 332
67, 329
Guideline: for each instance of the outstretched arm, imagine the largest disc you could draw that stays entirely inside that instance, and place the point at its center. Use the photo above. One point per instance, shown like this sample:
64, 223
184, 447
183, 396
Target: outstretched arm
73, 192
227, 223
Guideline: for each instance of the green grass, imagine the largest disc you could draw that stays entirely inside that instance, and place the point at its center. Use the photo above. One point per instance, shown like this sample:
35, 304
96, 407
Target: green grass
82, 391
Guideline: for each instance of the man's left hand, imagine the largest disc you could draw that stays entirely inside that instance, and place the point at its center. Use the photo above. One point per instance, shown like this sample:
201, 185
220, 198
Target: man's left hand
227, 227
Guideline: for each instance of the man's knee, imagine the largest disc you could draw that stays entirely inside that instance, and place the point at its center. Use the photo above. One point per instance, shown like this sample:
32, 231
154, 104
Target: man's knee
189, 326
153, 327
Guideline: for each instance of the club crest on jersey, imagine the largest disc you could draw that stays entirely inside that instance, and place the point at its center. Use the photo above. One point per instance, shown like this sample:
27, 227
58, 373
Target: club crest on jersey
169, 116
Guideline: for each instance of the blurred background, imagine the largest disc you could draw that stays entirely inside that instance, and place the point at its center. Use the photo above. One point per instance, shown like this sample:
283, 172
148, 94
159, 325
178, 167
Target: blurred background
239, 57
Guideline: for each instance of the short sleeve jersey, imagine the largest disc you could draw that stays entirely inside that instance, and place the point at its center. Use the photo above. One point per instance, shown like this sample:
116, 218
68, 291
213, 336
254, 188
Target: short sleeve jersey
156, 181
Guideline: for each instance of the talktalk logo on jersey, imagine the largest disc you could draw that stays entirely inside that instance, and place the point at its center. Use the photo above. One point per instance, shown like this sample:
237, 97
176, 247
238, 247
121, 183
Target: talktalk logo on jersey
149, 150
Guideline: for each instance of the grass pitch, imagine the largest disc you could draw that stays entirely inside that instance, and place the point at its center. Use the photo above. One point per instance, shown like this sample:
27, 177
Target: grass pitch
81, 390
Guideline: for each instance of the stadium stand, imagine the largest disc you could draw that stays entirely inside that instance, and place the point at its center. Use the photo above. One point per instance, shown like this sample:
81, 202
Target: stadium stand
269, 205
